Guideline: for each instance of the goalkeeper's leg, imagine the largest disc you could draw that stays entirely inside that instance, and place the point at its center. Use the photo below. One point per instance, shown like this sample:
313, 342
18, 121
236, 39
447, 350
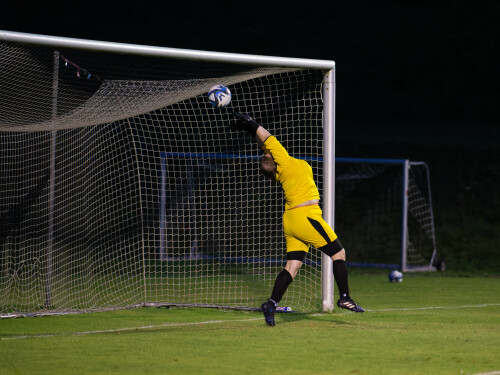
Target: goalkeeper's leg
340, 274
322, 237
283, 280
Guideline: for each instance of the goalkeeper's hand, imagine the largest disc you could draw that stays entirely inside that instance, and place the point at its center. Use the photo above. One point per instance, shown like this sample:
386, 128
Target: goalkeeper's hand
245, 122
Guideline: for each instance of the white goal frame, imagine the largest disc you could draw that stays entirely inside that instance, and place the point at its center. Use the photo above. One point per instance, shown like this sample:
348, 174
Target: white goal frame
327, 66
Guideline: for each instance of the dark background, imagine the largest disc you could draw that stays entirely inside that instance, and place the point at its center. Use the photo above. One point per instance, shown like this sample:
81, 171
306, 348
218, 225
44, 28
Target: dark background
416, 80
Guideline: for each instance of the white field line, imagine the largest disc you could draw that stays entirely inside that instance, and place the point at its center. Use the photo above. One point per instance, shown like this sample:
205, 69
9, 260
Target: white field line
423, 308
129, 329
126, 329
434, 307
488, 373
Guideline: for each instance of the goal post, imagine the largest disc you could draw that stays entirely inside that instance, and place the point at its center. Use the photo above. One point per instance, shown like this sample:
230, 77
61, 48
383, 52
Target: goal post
87, 133
327, 284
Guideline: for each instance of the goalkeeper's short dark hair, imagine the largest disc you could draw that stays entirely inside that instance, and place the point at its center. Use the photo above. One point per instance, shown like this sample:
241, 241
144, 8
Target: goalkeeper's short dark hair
268, 167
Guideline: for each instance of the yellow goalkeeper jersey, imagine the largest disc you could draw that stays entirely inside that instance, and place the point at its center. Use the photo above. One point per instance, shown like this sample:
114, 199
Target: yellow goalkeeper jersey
294, 175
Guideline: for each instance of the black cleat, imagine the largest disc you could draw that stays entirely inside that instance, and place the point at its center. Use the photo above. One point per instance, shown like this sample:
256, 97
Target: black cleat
348, 304
268, 308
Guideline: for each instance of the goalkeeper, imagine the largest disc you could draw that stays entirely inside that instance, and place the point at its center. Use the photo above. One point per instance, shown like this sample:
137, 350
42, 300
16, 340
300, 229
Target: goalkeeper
303, 222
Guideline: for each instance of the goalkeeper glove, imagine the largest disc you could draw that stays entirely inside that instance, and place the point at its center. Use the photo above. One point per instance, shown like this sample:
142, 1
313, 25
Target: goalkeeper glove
245, 122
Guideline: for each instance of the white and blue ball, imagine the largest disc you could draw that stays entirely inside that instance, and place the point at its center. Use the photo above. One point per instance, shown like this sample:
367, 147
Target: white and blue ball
395, 277
219, 96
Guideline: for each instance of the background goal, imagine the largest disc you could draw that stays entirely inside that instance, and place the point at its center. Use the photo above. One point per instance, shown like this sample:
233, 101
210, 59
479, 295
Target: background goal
383, 213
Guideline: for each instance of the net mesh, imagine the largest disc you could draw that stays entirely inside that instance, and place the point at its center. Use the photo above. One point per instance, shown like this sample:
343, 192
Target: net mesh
421, 241
121, 186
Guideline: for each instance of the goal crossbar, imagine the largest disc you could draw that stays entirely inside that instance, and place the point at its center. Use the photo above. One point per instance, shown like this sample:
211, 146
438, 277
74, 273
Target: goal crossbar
167, 52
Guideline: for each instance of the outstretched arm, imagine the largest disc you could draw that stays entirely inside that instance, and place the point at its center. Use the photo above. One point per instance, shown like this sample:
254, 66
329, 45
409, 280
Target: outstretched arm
246, 122
261, 135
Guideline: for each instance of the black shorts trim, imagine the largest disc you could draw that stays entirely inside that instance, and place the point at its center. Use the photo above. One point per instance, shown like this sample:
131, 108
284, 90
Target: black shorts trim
332, 248
319, 228
296, 255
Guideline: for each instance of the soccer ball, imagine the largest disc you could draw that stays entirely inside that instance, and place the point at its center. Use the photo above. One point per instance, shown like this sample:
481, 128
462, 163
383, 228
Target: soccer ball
395, 277
219, 96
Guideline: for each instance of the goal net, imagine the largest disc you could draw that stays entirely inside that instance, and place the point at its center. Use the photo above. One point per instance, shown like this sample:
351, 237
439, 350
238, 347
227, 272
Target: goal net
120, 186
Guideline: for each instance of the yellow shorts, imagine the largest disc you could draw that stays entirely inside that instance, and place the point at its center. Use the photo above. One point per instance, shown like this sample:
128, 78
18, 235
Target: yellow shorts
305, 226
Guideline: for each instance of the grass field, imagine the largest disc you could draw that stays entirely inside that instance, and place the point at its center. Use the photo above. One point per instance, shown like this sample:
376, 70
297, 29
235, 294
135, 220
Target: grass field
429, 324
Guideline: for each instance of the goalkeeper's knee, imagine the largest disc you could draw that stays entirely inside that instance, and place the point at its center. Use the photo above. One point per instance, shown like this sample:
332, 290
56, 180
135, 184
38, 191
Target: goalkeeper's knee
332, 248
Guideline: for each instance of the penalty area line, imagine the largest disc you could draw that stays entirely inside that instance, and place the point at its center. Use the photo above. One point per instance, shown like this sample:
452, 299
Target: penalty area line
126, 329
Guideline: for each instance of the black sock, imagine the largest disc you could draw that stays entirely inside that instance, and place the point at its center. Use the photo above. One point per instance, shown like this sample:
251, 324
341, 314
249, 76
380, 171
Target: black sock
280, 285
340, 275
